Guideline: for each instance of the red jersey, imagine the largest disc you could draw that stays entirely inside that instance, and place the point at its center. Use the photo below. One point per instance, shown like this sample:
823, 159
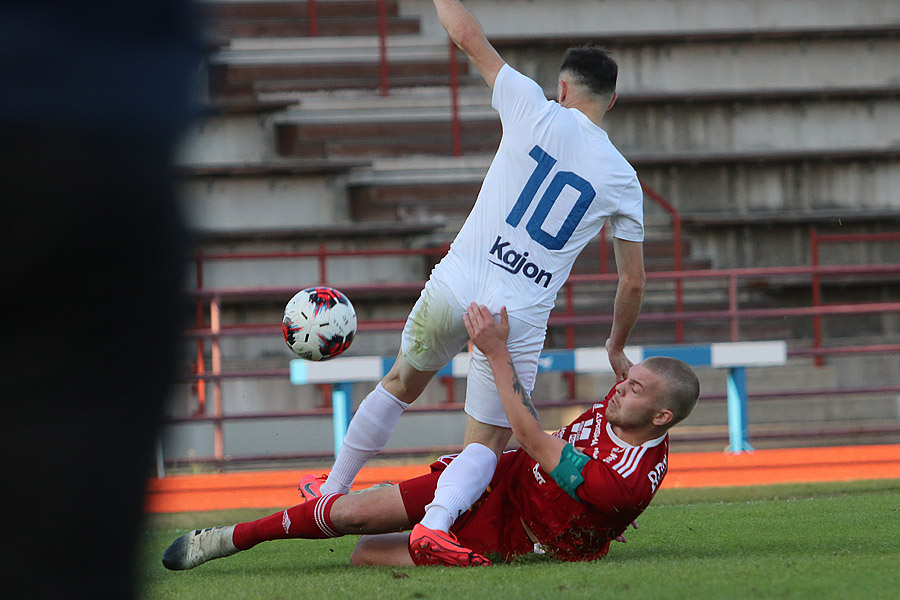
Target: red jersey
619, 482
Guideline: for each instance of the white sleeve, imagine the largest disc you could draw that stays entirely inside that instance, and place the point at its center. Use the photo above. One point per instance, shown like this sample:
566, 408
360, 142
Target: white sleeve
517, 98
627, 223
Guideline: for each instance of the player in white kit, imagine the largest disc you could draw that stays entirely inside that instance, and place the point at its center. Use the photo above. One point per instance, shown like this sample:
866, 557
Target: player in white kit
554, 182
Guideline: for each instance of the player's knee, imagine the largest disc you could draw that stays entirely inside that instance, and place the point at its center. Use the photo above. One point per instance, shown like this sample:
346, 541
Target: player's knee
394, 383
494, 437
496, 443
351, 517
405, 382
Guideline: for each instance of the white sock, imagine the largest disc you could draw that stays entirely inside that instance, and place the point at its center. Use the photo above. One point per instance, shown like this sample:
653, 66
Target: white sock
369, 431
460, 485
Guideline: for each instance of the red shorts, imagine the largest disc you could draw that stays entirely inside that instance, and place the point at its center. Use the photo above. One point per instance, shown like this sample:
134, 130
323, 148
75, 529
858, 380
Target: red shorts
417, 493
490, 526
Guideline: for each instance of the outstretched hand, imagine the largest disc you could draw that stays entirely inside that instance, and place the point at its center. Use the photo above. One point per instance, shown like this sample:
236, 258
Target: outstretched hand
485, 332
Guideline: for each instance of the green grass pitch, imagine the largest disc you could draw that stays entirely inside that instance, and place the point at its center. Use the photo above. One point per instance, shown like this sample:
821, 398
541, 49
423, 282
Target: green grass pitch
816, 541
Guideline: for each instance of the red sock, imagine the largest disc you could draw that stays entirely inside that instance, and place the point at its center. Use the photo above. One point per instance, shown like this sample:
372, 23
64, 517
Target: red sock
310, 520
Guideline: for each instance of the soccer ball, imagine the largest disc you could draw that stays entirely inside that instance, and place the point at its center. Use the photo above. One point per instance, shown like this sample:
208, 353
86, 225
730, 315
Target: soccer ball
319, 323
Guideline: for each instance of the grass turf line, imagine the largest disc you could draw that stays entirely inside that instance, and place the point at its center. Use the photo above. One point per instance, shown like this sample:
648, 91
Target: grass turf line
787, 541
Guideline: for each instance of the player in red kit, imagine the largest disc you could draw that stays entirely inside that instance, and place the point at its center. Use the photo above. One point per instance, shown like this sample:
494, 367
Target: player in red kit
572, 492
526, 505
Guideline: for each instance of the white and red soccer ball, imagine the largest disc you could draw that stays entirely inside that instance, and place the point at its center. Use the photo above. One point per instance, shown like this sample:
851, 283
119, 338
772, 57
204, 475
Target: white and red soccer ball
319, 323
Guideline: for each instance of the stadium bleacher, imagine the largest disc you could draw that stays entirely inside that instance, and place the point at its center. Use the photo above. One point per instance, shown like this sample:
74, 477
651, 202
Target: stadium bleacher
754, 129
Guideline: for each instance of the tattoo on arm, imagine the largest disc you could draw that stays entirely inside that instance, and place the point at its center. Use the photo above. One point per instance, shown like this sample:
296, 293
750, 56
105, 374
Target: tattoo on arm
520, 390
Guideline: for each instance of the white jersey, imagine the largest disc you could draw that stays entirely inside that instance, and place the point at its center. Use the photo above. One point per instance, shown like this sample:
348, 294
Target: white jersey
555, 180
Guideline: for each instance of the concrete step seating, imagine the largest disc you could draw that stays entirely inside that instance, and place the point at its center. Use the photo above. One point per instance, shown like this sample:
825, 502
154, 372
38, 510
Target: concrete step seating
267, 66
385, 241
328, 103
360, 124
430, 134
855, 56
262, 195
797, 223
373, 254
271, 168
740, 238
718, 127
734, 58
696, 34
411, 188
242, 106
739, 183
300, 236
292, 19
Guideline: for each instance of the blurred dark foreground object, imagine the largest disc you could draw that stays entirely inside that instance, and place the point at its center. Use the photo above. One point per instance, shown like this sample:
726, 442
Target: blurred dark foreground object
95, 98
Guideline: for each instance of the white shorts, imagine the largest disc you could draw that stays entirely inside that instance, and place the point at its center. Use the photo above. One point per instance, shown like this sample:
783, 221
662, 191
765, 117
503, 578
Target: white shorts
434, 333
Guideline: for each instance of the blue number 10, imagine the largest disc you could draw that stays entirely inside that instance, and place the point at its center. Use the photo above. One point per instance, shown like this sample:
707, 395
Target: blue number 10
586, 192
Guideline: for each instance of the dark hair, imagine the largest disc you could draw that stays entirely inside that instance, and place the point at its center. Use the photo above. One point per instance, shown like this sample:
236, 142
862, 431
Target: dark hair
682, 389
593, 68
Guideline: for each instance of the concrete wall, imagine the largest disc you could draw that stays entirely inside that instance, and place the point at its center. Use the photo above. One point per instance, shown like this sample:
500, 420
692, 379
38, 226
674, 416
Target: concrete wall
229, 138
244, 203
749, 125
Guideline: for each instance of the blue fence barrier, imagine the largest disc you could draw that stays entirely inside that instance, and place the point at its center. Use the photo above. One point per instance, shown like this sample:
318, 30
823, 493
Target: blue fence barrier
341, 372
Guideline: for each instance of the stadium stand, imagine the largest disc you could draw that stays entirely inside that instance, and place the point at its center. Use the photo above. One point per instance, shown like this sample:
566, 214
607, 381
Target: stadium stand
754, 129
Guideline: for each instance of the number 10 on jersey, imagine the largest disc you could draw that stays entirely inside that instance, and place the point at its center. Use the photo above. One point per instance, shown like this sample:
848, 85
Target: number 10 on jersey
534, 227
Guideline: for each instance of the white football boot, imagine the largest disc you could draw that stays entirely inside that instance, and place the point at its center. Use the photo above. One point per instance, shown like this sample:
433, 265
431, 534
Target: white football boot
199, 546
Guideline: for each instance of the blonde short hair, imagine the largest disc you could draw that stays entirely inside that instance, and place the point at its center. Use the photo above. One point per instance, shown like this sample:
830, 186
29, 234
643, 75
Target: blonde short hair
681, 388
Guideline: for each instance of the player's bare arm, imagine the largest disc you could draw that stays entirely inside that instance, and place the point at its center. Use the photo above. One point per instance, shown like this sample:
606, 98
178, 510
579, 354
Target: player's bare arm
522, 392
627, 306
490, 337
466, 32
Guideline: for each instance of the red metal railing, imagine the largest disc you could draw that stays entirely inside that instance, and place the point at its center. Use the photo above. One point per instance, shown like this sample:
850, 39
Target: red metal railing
200, 364
313, 16
455, 125
384, 86
677, 253
733, 314
815, 240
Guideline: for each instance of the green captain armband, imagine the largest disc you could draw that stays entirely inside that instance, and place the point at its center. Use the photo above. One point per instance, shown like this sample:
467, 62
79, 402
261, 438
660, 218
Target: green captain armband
567, 473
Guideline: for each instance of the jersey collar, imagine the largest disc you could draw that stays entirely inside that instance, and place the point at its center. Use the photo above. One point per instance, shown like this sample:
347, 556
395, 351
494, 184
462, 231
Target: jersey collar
620, 442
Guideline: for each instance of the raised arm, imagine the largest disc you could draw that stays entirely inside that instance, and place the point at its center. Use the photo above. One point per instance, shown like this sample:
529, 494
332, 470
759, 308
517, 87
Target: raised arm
465, 31
627, 306
490, 337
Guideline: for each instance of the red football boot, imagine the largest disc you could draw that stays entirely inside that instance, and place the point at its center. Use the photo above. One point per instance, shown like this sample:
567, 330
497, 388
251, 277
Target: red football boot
311, 485
433, 547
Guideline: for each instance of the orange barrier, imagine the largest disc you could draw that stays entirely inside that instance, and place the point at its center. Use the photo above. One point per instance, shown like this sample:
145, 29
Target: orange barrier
794, 465
256, 489
266, 489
